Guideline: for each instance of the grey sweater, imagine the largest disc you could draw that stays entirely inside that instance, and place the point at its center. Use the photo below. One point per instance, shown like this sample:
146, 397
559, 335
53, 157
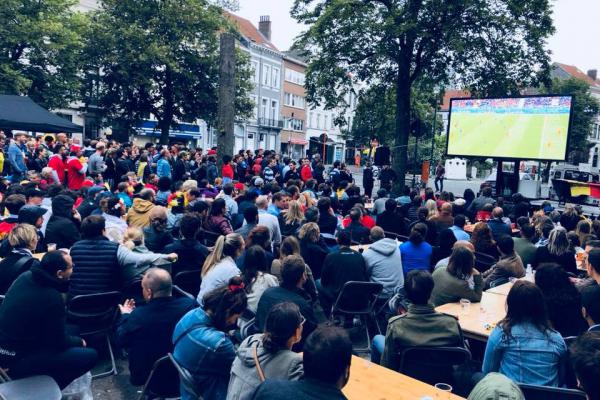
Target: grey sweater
244, 379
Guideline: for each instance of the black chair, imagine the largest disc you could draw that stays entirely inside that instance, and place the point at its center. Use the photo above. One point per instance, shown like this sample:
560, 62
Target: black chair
208, 238
534, 392
433, 364
163, 381
483, 261
393, 235
95, 315
31, 388
569, 340
358, 299
133, 290
178, 292
188, 281
186, 378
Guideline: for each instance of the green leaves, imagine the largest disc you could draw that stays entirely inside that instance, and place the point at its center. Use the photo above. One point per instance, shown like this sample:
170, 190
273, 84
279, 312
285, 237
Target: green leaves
40, 47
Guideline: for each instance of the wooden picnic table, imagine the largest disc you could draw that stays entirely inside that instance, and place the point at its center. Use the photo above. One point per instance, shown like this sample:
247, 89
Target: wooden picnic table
371, 381
477, 323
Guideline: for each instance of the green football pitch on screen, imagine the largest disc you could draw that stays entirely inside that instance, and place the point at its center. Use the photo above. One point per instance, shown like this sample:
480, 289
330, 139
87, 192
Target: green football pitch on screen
523, 128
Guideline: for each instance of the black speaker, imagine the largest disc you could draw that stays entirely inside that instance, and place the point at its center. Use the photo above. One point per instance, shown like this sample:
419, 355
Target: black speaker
382, 156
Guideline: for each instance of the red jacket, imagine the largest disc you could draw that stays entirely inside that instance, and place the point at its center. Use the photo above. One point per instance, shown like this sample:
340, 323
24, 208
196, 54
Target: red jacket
367, 221
227, 171
58, 165
75, 173
306, 173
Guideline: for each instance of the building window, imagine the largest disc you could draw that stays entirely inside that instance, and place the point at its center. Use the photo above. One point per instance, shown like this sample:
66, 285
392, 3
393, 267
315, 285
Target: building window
294, 124
293, 100
255, 111
275, 78
294, 76
274, 109
332, 122
266, 75
263, 108
318, 121
256, 71
325, 121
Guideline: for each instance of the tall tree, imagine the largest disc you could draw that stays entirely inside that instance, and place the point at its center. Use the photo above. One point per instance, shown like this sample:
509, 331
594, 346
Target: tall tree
40, 48
490, 46
584, 111
159, 57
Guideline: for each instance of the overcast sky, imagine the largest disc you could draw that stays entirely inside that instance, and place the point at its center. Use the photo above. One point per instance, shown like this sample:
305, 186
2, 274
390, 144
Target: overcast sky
576, 41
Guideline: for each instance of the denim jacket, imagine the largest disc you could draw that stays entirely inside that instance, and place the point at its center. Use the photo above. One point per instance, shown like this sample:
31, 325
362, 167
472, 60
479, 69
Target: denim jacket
205, 352
528, 356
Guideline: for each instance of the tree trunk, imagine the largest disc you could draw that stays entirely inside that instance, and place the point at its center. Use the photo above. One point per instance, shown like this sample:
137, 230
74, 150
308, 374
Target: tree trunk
167, 118
226, 112
402, 128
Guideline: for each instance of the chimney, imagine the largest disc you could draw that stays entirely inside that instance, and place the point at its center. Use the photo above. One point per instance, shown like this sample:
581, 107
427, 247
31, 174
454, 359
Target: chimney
264, 26
593, 73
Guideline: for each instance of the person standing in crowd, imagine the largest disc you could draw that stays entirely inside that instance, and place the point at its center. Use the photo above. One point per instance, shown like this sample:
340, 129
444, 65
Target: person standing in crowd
440, 174
96, 164
227, 169
146, 331
326, 360
305, 170
33, 333
201, 343
75, 169
122, 165
368, 180
523, 346
387, 177
16, 156
291, 173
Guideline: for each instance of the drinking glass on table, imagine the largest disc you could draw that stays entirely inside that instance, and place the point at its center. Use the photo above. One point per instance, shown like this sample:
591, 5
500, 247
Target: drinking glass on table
443, 390
465, 305
51, 246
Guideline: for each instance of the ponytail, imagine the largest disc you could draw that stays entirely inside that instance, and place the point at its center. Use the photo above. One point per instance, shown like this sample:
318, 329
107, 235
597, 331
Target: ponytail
225, 301
281, 324
214, 257
418, 233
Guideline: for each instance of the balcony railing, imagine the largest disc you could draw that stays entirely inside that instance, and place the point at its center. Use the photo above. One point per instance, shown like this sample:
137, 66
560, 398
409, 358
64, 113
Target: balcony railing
270, 122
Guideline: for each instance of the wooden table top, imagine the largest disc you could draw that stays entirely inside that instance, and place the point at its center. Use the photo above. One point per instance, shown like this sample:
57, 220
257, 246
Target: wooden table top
505, 288
372, 381
358, 247
481, 317
39, 255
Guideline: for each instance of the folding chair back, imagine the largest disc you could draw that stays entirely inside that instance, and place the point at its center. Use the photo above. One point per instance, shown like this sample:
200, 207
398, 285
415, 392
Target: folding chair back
31, 388
186, 378
534, 392
163, 381
188, 281
433, 364
357, 298
94, 313
208, 238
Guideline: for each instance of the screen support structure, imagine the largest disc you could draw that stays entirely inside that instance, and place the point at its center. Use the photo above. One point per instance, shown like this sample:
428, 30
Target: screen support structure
507, 180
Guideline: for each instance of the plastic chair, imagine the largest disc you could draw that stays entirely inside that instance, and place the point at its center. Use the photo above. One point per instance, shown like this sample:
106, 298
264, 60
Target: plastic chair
95, 314
186, 378
163, 381
358, 299
31, 388
534, 392
188, 281
433, 364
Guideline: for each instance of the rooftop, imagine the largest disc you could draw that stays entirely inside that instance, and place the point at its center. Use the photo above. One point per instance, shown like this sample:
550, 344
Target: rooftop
249, 31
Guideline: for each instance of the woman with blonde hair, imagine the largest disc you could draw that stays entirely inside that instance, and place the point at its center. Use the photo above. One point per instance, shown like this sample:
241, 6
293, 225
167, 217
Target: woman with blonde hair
558, 250
583, 230
291, 247
220, 265
312, 248
290, 221
432, 210
23, 239
113, 211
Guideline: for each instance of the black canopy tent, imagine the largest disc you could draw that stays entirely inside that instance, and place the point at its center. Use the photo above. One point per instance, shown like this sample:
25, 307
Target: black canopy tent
22, 113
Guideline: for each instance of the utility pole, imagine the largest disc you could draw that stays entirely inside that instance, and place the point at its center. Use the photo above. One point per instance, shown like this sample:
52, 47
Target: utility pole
226, 112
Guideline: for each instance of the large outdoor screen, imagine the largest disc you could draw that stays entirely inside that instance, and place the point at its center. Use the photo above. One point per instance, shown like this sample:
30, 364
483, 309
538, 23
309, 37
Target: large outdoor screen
529, 128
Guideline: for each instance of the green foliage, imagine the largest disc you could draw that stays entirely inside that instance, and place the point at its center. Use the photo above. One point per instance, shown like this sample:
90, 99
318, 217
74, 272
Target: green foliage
159, 57
40, 49
584, 111
489, 46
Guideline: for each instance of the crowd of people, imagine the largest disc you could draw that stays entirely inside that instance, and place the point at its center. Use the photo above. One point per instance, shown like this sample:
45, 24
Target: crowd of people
270, 244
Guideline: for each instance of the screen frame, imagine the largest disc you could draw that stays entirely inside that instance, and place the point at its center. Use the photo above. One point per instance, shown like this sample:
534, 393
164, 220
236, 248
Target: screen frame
570, 123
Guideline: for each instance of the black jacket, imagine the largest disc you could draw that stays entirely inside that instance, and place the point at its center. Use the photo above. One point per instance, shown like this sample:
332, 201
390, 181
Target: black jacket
340, 267
327, 223
391, 222
12, 266
96, 267
32, 317
368, 180
156, 241
63, 231
314, 254
358, 233
147, 332
276, 295
303, 389
190, 255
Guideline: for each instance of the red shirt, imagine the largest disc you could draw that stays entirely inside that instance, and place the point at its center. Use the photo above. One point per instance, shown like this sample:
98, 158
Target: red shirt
75, 177
56, 163
227, 171
305, 173
366, 221
256, 169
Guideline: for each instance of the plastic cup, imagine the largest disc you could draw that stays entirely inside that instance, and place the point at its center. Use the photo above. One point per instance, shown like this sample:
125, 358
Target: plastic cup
465, 306
51, 246
443, 390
